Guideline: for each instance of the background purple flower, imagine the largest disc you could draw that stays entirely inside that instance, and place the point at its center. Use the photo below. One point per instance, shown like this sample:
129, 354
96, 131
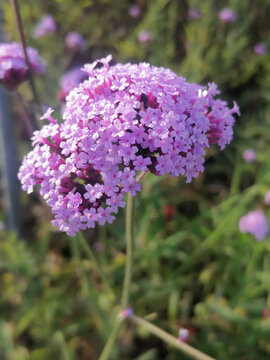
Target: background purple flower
134, 11
259, 49
249, 155
194, 14
144, 36
255, 223
13, 68
75, 40
46, 25
227, 15
69, 80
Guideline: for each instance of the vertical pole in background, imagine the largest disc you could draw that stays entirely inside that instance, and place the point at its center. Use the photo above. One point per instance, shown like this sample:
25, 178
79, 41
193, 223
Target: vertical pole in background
9, 166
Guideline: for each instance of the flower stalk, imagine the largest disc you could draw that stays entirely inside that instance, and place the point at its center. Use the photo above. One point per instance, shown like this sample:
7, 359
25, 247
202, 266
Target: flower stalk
24, 45
169, 339
127, 278
129, 247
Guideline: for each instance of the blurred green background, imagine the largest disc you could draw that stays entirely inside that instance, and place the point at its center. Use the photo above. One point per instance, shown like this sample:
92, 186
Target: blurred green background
193, 268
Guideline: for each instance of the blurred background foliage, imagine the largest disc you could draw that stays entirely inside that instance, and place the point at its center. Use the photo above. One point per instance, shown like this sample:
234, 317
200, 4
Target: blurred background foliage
193, 268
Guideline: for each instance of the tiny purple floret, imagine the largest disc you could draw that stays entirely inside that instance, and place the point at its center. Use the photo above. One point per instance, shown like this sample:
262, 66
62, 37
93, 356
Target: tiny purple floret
183, 334
128, 312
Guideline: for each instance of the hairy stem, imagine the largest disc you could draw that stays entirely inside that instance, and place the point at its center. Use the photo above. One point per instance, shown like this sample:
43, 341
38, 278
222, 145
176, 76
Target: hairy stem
111, 340
169, 339
129, 247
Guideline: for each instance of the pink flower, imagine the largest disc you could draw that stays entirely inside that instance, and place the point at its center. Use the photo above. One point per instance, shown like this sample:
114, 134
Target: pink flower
259, 49
144, 36
122, 120
75, 40
255, 223
46, 25
13, 68
249, 155
227, 15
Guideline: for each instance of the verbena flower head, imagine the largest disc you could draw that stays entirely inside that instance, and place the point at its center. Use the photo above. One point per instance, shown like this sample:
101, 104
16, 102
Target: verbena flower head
227, 15
255, 223
259, 49
75, 40
249, 155
46, 25
123, 120
13, 68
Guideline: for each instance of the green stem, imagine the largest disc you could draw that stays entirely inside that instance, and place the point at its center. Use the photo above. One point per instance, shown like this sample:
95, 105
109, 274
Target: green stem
111, 340
127, 279
169, 339
23, 41
87, 249
129, 247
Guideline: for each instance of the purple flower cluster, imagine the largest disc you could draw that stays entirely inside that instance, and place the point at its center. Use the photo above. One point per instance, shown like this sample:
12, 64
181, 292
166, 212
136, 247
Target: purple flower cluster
227, 15
46, 25
13, 68
122, 120
255, 223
